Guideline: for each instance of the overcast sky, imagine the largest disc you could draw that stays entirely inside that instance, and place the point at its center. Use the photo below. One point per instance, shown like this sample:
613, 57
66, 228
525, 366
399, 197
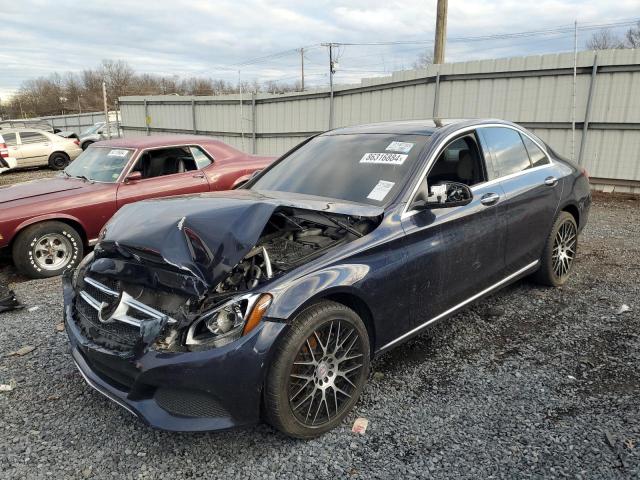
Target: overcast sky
210, 38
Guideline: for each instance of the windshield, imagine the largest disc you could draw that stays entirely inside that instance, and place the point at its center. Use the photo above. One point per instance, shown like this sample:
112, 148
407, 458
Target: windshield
92, 129
102, 164
362, 168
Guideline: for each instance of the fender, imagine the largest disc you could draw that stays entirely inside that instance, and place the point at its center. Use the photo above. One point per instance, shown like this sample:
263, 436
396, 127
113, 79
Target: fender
50, 216
296, 295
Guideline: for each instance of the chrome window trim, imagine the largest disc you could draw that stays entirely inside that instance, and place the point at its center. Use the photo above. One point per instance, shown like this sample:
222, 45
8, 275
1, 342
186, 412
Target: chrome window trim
139, 151
445, 141
460, 305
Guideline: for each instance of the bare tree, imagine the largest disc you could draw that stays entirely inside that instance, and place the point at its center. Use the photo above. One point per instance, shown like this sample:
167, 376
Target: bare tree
632, 37
423, 61
604, 40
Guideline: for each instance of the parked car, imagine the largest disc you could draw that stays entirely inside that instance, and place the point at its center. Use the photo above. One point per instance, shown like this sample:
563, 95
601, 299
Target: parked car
97, 133
33, 148
49, 223
6, 162
202, 312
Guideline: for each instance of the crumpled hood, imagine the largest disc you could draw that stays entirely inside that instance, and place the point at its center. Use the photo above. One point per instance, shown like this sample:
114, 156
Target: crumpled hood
37, 188
206, 235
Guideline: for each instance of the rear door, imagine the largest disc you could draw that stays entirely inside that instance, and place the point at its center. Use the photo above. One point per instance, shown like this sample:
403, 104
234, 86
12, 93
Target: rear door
455, 252
532, 192
165, 172
33, 149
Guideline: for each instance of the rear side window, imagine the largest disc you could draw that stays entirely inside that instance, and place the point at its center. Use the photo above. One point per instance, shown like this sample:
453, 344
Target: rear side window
32, 137
9, 139
507, 149
536, 155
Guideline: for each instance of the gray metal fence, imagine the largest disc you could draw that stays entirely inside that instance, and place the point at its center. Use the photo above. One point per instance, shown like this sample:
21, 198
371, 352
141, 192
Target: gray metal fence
536, 91
76, 122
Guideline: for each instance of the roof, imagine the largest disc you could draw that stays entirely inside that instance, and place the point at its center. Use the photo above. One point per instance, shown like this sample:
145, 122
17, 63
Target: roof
158, 141
406, 127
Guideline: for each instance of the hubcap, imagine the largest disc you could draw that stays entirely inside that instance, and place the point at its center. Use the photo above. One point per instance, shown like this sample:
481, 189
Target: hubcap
564, 249
325, 373
52, 251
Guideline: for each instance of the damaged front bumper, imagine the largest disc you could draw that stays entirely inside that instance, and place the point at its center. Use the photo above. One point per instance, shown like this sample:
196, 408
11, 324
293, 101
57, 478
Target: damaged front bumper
187, 391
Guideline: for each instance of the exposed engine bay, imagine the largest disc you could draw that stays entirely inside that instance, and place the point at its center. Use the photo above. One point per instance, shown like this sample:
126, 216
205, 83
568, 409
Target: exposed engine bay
291, 238
187, 286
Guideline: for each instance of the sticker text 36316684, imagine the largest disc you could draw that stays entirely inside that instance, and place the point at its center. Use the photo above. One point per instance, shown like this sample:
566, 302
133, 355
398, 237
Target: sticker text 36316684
384, 158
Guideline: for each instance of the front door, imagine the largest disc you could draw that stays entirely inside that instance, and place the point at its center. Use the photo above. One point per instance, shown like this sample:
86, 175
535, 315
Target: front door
455, 252
164, 172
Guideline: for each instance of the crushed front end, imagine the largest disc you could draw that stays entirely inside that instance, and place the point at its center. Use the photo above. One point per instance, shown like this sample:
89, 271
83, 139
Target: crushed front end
168, 317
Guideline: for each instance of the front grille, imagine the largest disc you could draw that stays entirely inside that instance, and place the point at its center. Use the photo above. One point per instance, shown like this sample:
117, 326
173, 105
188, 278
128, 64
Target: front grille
189, 403
109, 317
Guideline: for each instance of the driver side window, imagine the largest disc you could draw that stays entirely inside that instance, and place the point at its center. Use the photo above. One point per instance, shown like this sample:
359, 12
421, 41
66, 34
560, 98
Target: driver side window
165, 161
459, 162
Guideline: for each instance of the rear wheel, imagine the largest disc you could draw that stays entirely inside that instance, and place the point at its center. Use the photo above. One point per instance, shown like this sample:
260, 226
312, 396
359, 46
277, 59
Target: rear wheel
58, 160
47, 249
319, 371
559, 252
86, 144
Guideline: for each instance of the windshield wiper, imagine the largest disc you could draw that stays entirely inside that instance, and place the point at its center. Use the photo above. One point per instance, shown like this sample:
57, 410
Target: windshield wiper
83, 178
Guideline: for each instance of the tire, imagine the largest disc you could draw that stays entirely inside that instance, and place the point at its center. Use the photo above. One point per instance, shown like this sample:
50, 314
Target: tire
559, 252
327, 365
86, 144
47, 249
58, 160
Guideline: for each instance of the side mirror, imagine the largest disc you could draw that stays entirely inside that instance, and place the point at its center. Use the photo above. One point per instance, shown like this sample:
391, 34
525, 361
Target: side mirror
445, 195
133, 177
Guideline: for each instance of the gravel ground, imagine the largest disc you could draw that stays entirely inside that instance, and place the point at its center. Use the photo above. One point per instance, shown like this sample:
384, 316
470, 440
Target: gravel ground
532, 382
26, 174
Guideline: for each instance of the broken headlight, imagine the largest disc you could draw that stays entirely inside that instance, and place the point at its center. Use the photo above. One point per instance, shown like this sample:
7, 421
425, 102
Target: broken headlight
228, 322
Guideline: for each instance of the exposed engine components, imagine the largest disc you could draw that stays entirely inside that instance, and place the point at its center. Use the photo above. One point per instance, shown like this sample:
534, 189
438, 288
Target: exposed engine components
291, 238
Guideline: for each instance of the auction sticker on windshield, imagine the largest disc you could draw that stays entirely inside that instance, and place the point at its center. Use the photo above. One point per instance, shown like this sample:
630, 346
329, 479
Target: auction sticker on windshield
384, 158
402, 147
118, 153
380, 190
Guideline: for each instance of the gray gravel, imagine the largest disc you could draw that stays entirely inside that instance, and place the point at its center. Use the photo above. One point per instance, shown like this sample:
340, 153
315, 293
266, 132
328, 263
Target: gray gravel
26, 174
532, 382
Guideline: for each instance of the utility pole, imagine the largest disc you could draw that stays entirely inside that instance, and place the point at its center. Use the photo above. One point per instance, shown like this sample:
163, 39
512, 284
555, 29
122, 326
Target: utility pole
302, 69
79, 105
332, 70
573, 107
106, 109
441, 32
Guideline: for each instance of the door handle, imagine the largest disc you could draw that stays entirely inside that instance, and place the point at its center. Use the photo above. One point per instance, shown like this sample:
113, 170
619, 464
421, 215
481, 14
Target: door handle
198, 175
551, 181
489, 198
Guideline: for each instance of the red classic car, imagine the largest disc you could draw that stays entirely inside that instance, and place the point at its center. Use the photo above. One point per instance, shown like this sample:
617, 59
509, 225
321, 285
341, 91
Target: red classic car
49, 223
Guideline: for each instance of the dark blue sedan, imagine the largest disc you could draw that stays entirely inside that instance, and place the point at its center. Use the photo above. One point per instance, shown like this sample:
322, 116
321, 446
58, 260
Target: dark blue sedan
208, 311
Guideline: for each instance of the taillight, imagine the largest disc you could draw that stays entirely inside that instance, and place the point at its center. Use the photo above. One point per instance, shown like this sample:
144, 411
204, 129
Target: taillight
585, 172
76, 141
4, 153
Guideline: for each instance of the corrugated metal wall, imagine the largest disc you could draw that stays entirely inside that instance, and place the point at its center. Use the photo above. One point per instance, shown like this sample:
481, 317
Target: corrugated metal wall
76, 122
535, 91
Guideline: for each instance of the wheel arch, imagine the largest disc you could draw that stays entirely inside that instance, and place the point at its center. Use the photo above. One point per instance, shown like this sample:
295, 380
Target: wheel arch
350, 298
69, 220
574, 211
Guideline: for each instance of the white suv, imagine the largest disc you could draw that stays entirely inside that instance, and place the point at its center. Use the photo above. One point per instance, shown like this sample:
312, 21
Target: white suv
26, 147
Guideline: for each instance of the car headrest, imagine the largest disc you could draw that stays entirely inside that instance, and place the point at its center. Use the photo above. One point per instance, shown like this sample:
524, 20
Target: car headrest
465, 170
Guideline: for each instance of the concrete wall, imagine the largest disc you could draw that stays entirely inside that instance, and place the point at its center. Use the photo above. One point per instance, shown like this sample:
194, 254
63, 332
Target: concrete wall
535, 91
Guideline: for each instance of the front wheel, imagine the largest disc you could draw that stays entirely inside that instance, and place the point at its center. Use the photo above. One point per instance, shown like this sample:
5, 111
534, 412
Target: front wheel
47, 249
559, 252
319, 371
